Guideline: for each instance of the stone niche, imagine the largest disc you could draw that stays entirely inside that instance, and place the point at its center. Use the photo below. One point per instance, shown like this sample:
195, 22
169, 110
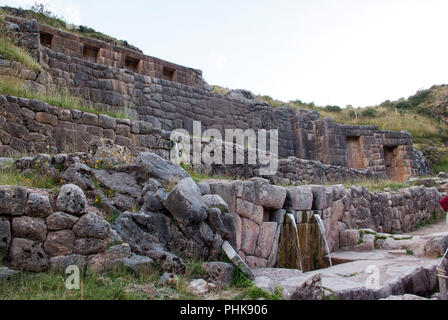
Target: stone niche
90, 54
132, 64
355, 153
169, 74
393, 159
46, 39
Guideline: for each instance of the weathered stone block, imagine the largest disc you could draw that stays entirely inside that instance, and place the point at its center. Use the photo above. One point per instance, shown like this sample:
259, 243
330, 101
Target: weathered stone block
322, 197
59, 243
266, 239
91, 225
28, 255
60, 221
249, 237
71, 199
299, 198
29, 228
269, 196
5, 238
38, 205
89, 246
47, 118
12, 200
244, 208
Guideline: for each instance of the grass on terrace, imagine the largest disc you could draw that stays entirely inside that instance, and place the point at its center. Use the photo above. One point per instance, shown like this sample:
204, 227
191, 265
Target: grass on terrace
9, 51
379, 185
11, 177
14, 86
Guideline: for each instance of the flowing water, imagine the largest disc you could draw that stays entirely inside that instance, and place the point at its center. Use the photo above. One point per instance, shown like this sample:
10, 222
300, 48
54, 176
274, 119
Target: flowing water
322, 231
292, 219
302, 245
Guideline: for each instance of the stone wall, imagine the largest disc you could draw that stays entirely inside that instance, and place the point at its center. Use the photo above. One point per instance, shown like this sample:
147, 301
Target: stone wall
169, 105
32, 126
95, 51
39, 229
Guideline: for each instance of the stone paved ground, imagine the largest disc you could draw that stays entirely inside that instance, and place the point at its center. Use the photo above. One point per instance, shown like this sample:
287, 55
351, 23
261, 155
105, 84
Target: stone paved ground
398, 272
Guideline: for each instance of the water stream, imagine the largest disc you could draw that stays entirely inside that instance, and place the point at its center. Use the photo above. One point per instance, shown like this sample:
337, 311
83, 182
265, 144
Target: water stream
322, 231
294, 224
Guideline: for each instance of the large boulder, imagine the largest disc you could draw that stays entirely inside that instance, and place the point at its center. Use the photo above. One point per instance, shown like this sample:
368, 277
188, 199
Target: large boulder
215, 201
72, 200
149, 165
119, 182
186, 205
152, 235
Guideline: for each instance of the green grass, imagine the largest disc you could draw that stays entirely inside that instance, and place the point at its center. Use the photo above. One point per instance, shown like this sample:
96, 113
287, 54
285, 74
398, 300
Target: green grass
440, 166
378, 185
30, 179
199, 176
9, 51
115, 285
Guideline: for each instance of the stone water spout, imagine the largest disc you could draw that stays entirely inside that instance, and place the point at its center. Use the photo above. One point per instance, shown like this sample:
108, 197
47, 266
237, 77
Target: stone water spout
323, 232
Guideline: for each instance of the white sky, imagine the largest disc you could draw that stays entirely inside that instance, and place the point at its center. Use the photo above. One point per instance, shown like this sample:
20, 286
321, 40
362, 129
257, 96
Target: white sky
358, 52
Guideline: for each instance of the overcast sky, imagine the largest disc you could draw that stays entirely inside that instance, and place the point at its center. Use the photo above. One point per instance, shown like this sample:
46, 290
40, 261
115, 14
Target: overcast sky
338, 52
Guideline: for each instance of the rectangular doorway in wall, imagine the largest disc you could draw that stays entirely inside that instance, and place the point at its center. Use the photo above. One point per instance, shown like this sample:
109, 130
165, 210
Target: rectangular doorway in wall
132, 64
90, 54
168, 74
355, 153
393, 163
46, 39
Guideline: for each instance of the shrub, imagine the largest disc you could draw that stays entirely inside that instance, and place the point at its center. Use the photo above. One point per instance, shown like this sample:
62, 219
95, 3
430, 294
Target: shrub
369, 113
333, 109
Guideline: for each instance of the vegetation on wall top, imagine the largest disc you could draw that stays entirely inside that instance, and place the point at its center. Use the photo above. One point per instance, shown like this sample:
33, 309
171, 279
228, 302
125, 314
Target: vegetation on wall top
43, 15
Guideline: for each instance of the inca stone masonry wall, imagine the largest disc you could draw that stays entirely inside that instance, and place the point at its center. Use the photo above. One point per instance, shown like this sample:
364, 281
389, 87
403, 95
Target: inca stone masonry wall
74, 45
32, 126
38, 231
259, 209
169, 105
